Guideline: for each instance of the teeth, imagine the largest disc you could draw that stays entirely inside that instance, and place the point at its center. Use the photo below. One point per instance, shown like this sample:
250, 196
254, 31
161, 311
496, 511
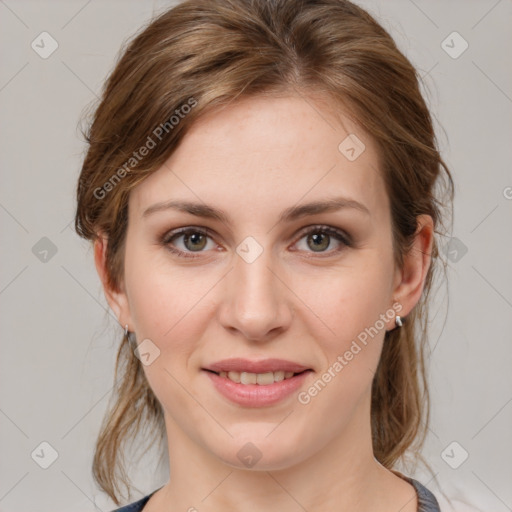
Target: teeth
234, 376
248, 378
263, 379
279, 376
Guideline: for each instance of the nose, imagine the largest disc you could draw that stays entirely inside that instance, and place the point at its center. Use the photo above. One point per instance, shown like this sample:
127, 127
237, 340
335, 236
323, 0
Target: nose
257, 303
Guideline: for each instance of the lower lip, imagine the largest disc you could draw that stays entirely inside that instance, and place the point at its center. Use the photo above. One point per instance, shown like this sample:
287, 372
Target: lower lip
255, 395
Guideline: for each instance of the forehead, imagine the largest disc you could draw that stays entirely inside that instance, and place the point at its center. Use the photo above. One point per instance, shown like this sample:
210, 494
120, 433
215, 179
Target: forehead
265, 151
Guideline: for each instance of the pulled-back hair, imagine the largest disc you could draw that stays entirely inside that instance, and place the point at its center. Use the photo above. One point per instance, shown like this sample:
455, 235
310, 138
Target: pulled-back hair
203, 54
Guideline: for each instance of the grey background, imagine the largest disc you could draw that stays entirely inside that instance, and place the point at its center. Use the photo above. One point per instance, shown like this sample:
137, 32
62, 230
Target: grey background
58, 340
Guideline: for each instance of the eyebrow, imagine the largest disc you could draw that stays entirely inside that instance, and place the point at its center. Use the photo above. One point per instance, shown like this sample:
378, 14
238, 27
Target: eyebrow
290, 214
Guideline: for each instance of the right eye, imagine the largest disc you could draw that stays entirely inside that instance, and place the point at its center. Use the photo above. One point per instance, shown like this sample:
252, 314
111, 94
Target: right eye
193, 240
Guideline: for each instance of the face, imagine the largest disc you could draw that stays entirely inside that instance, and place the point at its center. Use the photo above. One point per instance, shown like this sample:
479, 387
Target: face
287, 255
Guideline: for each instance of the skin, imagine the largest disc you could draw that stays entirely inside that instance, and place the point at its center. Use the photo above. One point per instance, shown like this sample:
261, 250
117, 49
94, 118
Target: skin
253, 160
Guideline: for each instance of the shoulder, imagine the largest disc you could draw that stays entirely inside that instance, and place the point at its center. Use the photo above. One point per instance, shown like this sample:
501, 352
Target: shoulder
427, 502
136, 506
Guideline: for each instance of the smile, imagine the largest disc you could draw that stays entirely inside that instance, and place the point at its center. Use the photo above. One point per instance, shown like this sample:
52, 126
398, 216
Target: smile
262, 379
257, 389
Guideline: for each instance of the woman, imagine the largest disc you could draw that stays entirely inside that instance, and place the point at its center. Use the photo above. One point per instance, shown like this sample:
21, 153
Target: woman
259, 188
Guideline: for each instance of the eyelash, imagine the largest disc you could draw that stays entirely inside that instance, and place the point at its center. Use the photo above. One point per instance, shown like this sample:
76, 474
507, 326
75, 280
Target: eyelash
170, 236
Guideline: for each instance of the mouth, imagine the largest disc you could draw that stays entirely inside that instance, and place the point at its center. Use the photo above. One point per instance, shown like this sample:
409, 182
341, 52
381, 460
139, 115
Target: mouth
261, 379
253, 383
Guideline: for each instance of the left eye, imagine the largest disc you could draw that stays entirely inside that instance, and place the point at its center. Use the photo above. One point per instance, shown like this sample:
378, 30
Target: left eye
318, 240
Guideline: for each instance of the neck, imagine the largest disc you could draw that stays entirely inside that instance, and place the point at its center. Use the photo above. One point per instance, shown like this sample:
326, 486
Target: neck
341, 475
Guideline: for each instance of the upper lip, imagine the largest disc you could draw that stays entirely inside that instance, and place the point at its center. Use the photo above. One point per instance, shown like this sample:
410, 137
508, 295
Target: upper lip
251, 366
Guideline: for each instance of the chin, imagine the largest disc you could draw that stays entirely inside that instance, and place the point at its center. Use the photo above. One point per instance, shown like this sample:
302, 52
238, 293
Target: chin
262, 449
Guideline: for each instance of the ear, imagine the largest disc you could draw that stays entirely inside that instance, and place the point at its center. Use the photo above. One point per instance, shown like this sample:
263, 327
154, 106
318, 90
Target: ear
410, 279
117, 299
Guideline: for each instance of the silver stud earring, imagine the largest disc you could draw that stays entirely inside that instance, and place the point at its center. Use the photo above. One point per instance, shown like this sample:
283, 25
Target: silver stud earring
130, 335
398, 321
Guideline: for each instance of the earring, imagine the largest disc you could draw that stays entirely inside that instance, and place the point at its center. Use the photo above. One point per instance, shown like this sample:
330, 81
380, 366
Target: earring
398, 321
132, 340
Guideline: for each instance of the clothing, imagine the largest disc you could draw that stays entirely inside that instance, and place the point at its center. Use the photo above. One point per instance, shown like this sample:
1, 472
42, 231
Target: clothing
136, 506
427, 502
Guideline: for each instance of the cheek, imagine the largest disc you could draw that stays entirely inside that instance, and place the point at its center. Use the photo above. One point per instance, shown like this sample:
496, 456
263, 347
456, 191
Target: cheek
348, 300
351, 306
161, 298
349, 332
170, 310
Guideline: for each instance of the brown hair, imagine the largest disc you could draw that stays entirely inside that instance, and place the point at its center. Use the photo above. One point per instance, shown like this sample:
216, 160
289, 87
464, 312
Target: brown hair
204, 54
